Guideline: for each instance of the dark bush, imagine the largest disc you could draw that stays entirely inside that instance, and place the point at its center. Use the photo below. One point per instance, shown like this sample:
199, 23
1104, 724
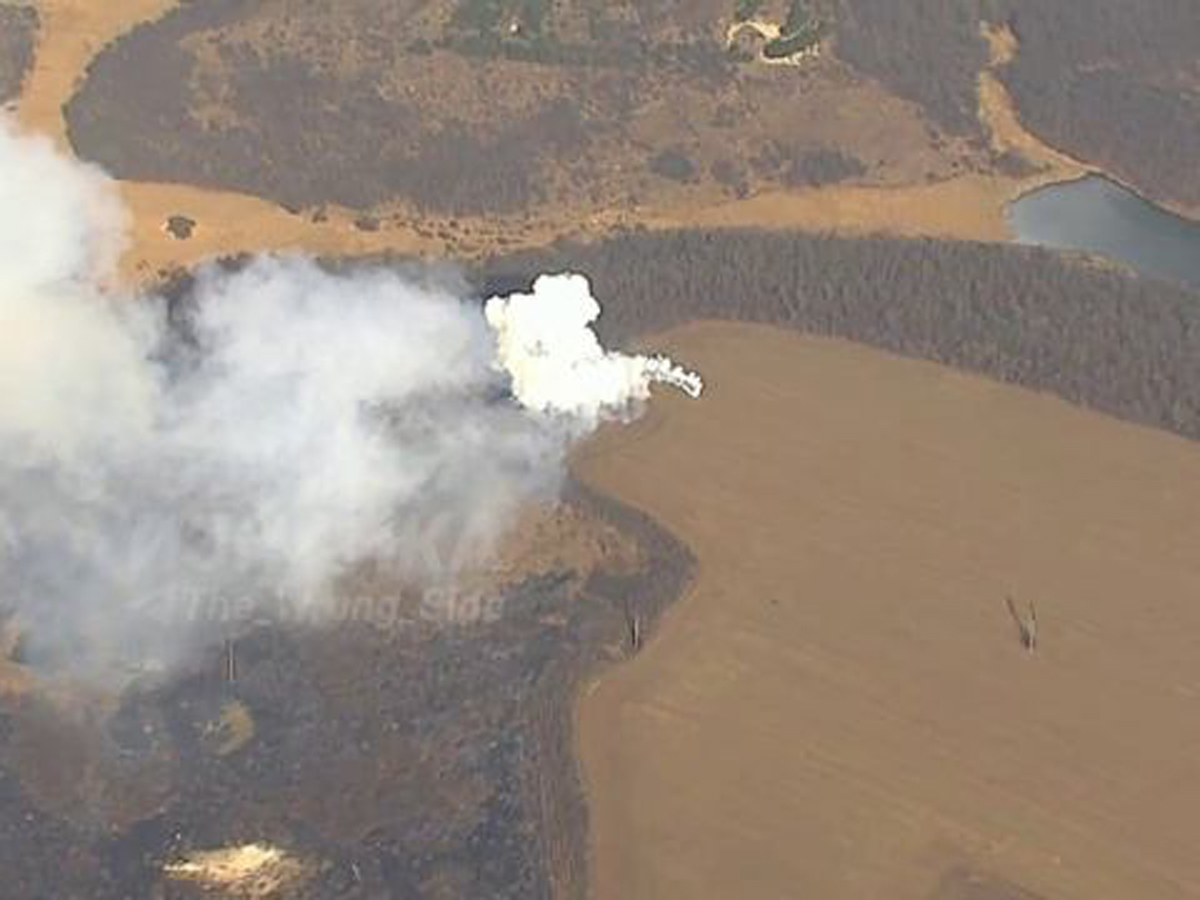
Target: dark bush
673, 164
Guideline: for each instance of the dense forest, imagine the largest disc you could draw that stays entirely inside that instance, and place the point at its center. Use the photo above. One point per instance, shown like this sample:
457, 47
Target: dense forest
18, 31
926, 51
1115, 83
1097, 337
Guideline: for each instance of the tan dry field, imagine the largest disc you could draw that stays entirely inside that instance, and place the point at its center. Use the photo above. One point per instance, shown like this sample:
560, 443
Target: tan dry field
841, 707
970, 206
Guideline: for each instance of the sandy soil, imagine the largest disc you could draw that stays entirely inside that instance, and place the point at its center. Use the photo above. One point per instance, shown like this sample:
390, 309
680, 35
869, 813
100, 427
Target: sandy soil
15, 680
970, 207
249, 871
230, 223
842, 707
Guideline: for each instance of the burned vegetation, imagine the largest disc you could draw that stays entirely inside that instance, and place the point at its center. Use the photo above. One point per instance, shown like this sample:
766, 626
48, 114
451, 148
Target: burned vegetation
414, 761
518, 106
1113, 82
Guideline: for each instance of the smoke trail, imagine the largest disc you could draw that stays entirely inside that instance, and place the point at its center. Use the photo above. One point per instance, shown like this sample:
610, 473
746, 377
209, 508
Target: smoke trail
298, 423
547, 345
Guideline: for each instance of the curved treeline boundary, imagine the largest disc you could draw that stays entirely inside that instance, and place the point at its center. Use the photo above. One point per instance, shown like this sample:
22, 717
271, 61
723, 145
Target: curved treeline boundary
1099, 338
1112, 82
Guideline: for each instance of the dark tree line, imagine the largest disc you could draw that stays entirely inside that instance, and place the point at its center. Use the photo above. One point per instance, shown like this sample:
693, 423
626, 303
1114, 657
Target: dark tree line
1113, 82
1097, 337
926, 51
18, 35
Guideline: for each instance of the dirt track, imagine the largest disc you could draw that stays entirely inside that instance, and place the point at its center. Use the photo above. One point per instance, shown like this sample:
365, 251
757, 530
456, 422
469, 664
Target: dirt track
842, 708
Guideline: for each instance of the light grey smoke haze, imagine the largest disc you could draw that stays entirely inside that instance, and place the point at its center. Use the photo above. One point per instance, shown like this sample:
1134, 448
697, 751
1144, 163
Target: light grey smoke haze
314, 421
294, 424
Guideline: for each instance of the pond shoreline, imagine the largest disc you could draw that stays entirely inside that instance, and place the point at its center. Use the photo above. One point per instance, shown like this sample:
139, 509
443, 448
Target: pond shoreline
1035, 186
1099, 216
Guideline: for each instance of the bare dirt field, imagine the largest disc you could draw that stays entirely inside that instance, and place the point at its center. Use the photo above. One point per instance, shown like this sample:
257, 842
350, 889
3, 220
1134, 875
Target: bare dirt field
842, 707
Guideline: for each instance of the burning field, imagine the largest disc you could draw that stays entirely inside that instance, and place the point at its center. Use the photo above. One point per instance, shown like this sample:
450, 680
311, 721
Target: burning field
281, 617
358, 757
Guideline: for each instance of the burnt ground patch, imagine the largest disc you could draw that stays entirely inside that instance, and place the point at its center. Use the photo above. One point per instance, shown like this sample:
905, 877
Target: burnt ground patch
423, 761
1098, 337
18, 39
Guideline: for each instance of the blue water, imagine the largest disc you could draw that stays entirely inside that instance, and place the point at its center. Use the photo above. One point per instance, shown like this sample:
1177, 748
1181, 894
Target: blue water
1099, 217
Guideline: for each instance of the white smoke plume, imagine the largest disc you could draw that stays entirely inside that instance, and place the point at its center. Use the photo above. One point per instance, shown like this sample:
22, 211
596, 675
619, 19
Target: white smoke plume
547, 345
296, 423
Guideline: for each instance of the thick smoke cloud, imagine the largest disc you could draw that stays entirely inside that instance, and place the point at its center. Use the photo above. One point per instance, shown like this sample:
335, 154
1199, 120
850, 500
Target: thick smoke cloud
296, 424
546, 343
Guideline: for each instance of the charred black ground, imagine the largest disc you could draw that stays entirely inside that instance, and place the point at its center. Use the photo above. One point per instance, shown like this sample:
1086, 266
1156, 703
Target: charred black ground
416, 761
